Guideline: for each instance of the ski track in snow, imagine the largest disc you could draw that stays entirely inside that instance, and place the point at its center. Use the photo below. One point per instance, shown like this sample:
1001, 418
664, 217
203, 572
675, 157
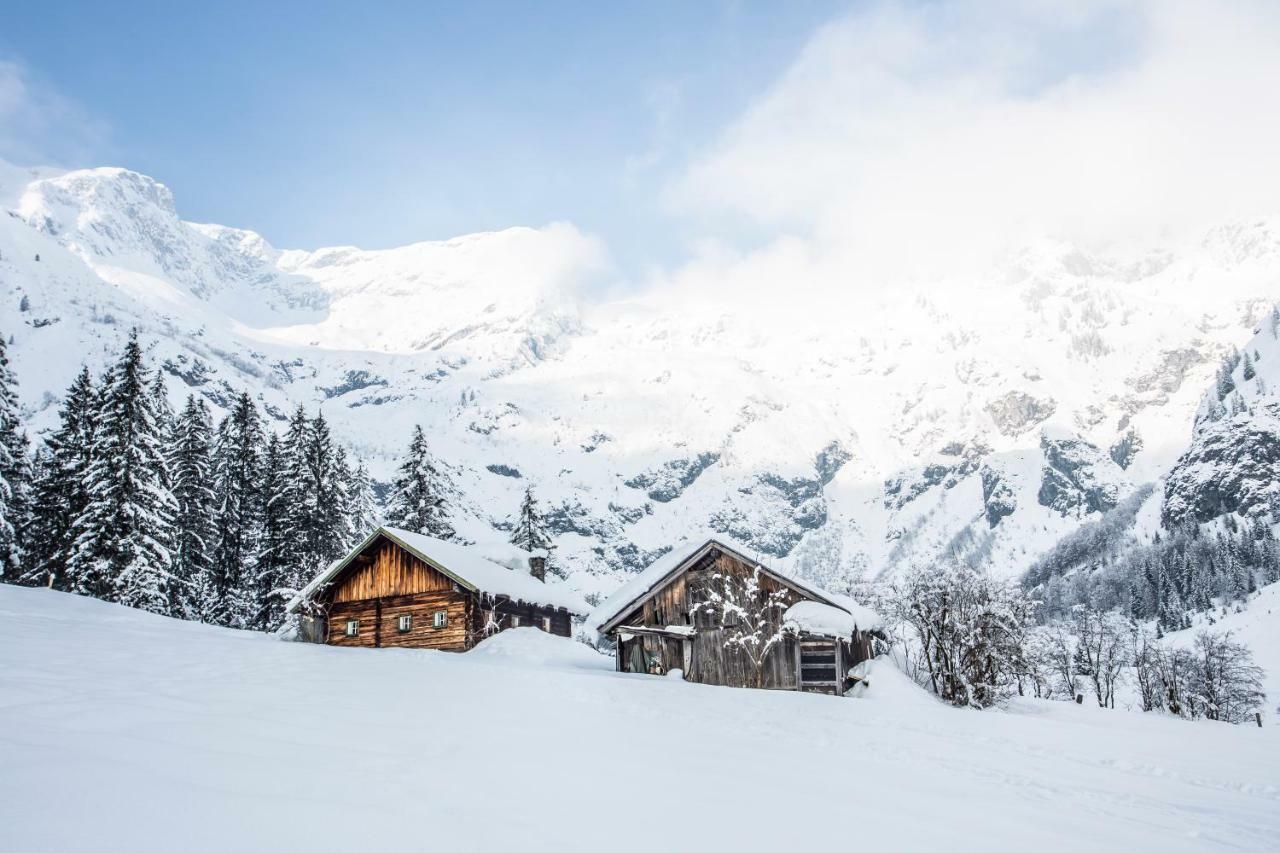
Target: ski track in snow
125, 731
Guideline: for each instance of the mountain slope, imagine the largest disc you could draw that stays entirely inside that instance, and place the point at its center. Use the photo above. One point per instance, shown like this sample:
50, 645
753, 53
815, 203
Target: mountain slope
843, 431
155, 732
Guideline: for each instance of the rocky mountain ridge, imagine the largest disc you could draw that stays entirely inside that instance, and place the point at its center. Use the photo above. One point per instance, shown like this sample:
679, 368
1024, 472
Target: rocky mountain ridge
855, 434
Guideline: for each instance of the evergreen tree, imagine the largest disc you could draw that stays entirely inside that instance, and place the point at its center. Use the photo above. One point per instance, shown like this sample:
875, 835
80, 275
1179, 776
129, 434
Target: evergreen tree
122, 538
237, 501
365, 512
1249, 372
318, 513
418, 502
530, 532
278, 542
15, 474
190, 463
60, 494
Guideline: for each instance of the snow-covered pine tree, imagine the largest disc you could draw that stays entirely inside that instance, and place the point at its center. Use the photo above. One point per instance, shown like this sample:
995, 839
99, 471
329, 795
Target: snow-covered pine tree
318, 515
59, 493
365, 512
15, 475
344, 529
275, 578
327, 529
1247, 362
237, 501
419, 500
122, 538
190, 465
530, 531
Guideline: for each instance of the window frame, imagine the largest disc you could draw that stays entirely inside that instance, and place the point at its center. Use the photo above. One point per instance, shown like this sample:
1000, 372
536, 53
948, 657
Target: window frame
440, 619
546, 624
404, 623
352, 629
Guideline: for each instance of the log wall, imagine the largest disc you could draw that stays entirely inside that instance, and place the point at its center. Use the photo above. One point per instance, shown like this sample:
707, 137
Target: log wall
379, 621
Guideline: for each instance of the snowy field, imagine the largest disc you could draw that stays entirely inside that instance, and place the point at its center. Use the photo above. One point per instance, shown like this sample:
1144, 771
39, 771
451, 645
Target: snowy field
121, 731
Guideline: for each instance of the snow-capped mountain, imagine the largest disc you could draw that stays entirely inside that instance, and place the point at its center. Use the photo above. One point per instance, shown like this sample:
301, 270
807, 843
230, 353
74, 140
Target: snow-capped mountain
852, 433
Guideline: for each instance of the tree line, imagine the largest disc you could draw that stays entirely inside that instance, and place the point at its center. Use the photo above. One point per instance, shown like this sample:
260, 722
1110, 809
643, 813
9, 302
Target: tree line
1187, 570
129, 501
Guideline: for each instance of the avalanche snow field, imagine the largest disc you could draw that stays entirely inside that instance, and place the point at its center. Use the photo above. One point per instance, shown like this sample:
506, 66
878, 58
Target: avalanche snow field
122, 731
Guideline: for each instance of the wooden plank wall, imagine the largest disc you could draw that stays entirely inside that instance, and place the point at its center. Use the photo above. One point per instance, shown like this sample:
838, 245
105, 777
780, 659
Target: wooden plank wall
388, 571
711, 663
379, 620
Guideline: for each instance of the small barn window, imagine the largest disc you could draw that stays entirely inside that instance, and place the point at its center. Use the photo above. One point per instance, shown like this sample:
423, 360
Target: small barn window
404, 623
515, 621
353, 627
546, 624
440, 618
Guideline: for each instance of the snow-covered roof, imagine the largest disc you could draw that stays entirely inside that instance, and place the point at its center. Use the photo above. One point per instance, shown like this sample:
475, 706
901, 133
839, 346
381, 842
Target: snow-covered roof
864, 617
495, 568
814, 617
667, 567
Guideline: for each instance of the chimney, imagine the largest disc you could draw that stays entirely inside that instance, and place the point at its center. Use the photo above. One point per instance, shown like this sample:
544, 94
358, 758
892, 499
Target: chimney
538, 568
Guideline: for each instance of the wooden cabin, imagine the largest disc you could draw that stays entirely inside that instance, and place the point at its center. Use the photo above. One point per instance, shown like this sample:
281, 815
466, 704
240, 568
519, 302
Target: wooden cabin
403, 589
724, 618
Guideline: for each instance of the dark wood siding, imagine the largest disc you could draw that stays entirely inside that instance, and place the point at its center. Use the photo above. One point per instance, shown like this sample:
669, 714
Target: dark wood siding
493, 615
379, 621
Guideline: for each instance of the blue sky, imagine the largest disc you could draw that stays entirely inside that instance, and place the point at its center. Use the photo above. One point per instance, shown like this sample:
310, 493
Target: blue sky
707, 144
380, 124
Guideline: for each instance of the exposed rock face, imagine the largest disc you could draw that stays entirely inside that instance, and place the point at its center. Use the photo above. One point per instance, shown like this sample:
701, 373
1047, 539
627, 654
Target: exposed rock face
1233, 465
668, 482
830, 460
952, 464
1016, 412
1123, 451
998, 500
1078, 478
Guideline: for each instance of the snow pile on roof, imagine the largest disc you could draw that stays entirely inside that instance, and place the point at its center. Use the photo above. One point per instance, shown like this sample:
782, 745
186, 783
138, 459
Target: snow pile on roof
653, 576
494, 568
813, 617
537, 648
864, 617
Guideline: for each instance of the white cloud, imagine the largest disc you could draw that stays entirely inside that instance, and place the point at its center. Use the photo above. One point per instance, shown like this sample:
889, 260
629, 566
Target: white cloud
917, 140
38, 125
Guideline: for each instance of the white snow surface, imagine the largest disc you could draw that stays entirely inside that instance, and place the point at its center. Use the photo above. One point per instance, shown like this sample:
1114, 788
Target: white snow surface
123, 731
497, 568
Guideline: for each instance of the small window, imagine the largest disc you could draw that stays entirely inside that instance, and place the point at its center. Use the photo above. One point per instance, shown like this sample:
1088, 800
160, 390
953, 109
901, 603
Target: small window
404, 623
515, 621
546, 624
440, 618
353, 627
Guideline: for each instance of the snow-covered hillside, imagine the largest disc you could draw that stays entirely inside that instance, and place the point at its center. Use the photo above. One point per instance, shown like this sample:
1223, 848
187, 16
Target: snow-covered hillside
125, 731
840, 433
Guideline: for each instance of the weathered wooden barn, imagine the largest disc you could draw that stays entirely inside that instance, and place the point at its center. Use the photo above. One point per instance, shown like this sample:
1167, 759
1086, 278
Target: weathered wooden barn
403, 589
722, 617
